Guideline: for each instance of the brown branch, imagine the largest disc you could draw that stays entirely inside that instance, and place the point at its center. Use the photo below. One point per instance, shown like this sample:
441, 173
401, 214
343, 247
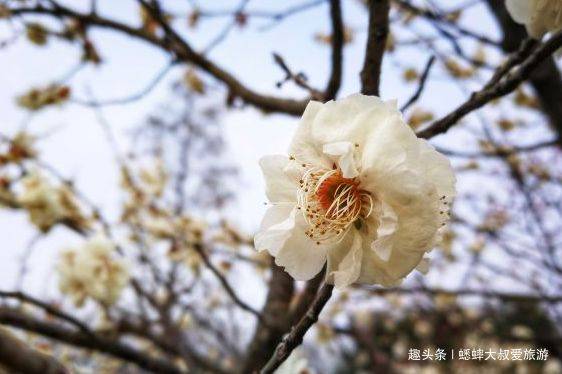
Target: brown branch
298, 78
169, 343
295, 337
504, 87
546, 79
53, 311
265, 339
19, 319
306, 297
376, 44
184, 52
19, 358
337, 50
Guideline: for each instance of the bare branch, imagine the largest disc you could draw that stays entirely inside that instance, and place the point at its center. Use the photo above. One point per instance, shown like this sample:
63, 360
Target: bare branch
182, 50
21, 320
421, 84
55, 312
334, 82
18, 357
298, 78
295, 337
509, 84
376, 44
265, 339
227, 287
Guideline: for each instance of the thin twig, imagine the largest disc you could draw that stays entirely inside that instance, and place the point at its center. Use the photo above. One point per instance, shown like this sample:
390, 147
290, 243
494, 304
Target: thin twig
130, 98
298, 78
295, 337
421, 85
227, 287
505, 86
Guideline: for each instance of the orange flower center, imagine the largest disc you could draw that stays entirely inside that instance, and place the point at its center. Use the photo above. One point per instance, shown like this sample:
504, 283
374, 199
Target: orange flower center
331, 203
337, 193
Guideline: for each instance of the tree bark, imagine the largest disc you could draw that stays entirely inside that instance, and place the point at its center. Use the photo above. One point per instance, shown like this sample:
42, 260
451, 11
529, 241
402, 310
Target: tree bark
276, 313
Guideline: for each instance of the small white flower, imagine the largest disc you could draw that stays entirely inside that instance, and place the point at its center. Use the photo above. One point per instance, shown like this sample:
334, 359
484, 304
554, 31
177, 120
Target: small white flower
92, 271
538, 16
359, 191
296, 363
42, 201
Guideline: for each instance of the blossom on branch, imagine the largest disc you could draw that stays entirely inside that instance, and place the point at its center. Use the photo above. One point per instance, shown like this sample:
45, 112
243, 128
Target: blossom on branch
48, 205
359, 191
92, 271
538, 16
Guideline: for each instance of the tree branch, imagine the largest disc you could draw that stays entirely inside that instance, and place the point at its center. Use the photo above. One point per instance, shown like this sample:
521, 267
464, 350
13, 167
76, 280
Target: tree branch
337, 50
295, 337
376, 44
182, 50
19, 358
279, 296
227, 287
504, 87
19, 319
546, 80
55, 312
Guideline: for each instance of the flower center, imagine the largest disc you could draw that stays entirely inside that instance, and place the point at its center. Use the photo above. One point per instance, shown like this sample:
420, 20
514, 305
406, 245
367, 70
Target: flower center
331, 203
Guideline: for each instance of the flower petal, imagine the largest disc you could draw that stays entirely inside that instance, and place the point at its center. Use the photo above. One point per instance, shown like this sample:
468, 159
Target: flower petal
344, 260
388, 224
300, 256
279, 187
301, 146
423, 266
520, 10
350, 119
387, 273
277, 227
345, 160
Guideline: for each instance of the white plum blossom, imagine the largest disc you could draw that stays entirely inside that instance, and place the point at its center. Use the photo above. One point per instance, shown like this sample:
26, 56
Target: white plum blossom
42, 201
358, 192
47, 204
538, 16
92, 271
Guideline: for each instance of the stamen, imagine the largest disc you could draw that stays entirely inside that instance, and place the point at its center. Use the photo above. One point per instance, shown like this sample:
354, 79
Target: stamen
331, 203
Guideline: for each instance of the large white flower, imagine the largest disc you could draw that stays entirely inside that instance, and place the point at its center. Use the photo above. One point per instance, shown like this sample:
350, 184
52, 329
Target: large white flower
359, 191
538, 16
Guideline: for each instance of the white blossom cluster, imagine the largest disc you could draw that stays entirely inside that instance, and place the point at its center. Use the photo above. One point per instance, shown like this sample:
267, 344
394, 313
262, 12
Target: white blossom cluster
48, 205
92, 271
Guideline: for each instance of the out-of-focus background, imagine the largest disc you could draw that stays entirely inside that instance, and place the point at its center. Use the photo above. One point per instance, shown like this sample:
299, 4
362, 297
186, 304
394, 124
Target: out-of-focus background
106, 133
